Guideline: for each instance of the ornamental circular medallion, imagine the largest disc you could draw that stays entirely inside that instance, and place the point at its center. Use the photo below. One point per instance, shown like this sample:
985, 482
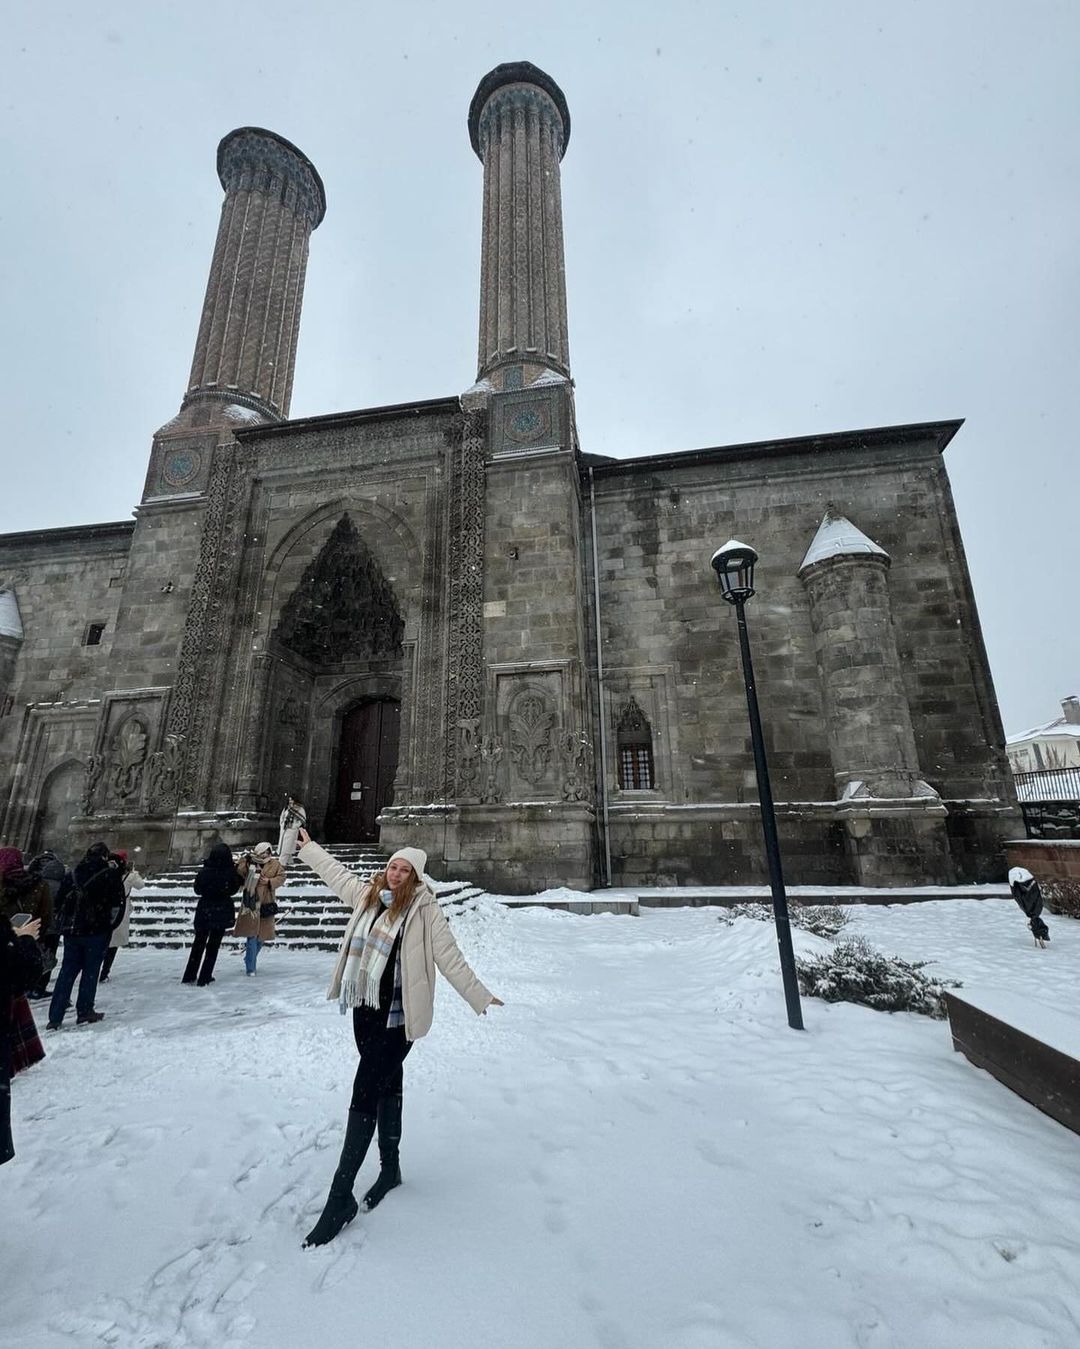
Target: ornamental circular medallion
530, 422
181, 467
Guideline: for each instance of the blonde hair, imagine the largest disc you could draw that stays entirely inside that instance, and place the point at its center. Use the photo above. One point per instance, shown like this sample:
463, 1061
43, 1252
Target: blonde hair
401, 901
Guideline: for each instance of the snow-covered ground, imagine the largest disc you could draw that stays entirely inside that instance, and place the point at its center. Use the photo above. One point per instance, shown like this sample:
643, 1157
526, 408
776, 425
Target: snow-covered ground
635, 1153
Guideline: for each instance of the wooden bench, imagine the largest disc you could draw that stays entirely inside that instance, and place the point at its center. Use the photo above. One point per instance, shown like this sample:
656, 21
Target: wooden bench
1031, 1048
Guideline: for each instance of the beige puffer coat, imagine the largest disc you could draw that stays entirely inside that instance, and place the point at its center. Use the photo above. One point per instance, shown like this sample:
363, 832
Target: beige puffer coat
426, 942
252, 923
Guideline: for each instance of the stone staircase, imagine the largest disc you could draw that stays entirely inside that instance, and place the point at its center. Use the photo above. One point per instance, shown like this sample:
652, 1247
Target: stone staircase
309, 915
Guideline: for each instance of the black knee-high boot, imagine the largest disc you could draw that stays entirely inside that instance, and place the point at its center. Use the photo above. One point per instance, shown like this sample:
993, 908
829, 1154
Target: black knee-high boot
341, 1208
389, 1117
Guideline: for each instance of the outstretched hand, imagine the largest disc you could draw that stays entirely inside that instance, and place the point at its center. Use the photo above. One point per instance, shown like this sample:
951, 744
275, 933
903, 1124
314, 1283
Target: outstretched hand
495, 1002
303, 836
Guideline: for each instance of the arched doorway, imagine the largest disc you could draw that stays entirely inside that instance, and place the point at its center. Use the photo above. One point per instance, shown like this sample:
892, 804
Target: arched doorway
366, 765
61, 800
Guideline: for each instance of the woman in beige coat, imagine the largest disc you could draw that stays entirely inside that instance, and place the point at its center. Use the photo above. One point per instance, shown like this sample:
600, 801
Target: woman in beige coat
262, 873
385, 975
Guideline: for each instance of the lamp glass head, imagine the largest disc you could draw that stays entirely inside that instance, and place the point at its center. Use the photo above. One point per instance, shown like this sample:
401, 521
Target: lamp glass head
734, 567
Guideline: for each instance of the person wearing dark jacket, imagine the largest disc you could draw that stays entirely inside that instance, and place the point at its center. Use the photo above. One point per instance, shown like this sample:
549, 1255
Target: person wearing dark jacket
20, 969
216, 882
1026, 892
90, 901
52, 871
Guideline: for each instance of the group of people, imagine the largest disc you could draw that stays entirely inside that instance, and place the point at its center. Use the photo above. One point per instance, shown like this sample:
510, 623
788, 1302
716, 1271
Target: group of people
41, 902
384, 975
255, 876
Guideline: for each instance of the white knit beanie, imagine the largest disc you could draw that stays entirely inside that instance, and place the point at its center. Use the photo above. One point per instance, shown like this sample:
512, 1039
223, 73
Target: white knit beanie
1020, 876
416, 858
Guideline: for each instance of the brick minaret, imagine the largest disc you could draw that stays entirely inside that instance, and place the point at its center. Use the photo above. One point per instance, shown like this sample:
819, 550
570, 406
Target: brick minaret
245, 352
519, 125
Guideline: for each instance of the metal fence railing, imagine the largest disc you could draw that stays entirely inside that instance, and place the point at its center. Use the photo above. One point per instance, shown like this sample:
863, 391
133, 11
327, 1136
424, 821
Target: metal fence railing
1048, 784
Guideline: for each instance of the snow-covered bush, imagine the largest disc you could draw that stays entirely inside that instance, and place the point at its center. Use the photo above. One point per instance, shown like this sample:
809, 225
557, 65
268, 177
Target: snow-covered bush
1062, 895
853, 971
823, 920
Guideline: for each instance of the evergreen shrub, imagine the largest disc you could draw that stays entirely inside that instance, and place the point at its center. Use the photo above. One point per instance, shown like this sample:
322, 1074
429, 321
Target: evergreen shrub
1062, 895
854, 971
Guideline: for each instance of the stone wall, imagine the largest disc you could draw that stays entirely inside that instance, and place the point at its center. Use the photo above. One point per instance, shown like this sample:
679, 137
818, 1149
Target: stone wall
669, 640
64, 580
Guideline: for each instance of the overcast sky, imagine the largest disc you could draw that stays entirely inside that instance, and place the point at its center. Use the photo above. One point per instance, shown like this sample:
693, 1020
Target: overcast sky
780, 219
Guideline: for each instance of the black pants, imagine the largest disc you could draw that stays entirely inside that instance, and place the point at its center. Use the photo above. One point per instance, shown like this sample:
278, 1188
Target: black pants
107, 963
204, 948
382, 1052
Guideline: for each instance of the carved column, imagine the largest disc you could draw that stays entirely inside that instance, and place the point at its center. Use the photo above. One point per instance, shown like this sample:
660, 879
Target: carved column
250, 781
246, 348
465, 665
519, 125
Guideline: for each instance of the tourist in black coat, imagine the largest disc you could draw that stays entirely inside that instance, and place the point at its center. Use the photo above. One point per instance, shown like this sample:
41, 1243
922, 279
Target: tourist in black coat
20, 969
215, 883
90, 901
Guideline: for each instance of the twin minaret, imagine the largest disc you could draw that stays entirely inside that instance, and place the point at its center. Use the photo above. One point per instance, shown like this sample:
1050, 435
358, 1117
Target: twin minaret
245, 353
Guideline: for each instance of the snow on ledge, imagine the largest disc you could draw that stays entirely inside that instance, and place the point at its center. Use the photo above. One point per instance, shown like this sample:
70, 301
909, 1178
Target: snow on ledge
1052, 1025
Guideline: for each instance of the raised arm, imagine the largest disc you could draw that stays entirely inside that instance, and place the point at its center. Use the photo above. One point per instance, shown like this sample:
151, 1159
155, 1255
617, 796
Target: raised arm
344, 883
454, 967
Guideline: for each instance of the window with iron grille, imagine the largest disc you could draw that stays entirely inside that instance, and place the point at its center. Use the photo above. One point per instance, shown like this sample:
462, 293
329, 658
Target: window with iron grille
637, 771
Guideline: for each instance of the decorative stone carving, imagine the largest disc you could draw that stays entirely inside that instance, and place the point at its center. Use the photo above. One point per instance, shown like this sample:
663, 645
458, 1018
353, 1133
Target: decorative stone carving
163, 772
631, 719
196, 632
127, 759
577, 751
344, 608
530, 736
465, 620
468, 754
491, 751
95, 770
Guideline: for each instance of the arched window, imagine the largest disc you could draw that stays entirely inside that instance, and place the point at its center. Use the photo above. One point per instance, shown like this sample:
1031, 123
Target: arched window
634, 747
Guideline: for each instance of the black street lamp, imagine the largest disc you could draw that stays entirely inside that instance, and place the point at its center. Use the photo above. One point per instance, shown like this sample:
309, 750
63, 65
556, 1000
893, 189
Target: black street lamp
734, 567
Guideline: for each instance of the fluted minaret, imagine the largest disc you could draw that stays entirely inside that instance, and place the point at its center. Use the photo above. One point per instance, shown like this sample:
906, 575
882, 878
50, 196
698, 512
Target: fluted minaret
519, 125
245, 352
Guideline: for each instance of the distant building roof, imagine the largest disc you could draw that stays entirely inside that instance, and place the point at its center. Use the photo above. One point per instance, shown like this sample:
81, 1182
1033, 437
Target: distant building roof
1058, 727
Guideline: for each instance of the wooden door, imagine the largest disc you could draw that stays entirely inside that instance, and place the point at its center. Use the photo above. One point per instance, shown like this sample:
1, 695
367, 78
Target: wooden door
367, 763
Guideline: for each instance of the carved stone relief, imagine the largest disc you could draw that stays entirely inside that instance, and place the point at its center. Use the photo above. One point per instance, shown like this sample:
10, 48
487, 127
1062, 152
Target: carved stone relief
163, 774
531, 721
465, 548
344, 607
127, 760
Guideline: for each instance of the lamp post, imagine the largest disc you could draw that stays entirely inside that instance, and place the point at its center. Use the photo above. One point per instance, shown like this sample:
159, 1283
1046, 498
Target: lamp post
734, 567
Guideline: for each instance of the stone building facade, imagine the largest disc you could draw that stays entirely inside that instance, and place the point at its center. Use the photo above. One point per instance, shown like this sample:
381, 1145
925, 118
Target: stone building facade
443, 623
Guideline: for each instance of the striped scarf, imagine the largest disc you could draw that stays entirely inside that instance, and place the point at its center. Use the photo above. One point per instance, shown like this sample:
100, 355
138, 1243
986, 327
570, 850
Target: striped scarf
369, 949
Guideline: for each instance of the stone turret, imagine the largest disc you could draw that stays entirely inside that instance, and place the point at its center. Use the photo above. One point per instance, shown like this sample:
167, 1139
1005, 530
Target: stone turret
519, 125
245, 352
886, 802
11, 640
